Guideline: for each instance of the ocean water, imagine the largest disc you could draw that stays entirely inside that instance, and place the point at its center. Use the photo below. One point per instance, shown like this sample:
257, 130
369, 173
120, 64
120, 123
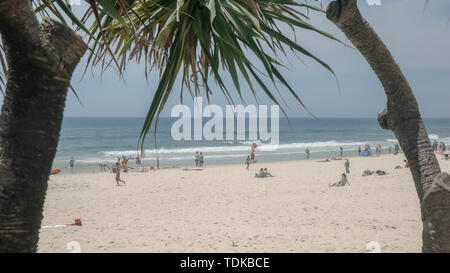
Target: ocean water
91, 141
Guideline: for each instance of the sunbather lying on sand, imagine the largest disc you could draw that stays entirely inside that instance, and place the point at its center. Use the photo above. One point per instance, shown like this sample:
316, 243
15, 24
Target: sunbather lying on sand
367, 172
325, 160
340, 183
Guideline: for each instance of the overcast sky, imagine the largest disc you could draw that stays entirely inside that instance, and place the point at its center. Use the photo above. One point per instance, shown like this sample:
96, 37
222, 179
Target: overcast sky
418, 38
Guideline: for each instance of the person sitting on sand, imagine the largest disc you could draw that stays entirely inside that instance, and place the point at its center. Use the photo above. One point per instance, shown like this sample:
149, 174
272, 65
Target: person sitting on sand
118, 174
261, 172
266, 172
341, 183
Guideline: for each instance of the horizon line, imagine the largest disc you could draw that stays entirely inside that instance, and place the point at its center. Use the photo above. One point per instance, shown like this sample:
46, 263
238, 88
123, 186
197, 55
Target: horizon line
224, 117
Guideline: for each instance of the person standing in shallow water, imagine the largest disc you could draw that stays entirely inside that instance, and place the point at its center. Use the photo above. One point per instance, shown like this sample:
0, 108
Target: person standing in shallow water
341, 151
71, 163
197, 159
201, 159
359, 150
308, 153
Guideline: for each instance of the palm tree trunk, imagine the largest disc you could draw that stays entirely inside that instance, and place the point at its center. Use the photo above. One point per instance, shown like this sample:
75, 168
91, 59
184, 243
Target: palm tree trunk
41, 59
402, 116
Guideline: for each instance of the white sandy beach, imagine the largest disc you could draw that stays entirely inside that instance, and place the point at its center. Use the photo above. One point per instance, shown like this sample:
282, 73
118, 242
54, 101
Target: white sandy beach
225, 209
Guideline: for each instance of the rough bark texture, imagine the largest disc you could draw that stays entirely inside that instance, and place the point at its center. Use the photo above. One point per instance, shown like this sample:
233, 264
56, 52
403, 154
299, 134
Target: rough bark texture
402, 116
41, 59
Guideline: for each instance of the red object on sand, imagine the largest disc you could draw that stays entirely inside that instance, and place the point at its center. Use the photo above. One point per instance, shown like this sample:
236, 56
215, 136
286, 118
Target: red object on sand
55, 171
441, 153
78, 221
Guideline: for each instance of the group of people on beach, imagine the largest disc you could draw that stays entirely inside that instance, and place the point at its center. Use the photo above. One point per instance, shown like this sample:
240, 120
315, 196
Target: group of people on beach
438, 147
199, 160
263, 172
122, 162
378, 150
366, 152
344, 180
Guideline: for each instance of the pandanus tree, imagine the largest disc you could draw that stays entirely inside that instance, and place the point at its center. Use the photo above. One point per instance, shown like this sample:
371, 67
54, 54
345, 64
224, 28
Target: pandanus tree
38, 61
402, 116
197, 39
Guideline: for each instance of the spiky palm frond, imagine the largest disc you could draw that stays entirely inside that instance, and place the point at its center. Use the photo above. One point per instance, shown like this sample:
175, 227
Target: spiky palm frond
197, 39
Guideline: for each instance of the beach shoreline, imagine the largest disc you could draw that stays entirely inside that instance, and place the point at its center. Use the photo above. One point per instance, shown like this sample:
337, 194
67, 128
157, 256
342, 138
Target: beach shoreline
150, 162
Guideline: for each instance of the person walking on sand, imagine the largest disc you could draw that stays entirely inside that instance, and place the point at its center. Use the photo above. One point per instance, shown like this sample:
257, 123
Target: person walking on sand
71, 163
308, 153
118, 174
247, 161
359, 150
347, 166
